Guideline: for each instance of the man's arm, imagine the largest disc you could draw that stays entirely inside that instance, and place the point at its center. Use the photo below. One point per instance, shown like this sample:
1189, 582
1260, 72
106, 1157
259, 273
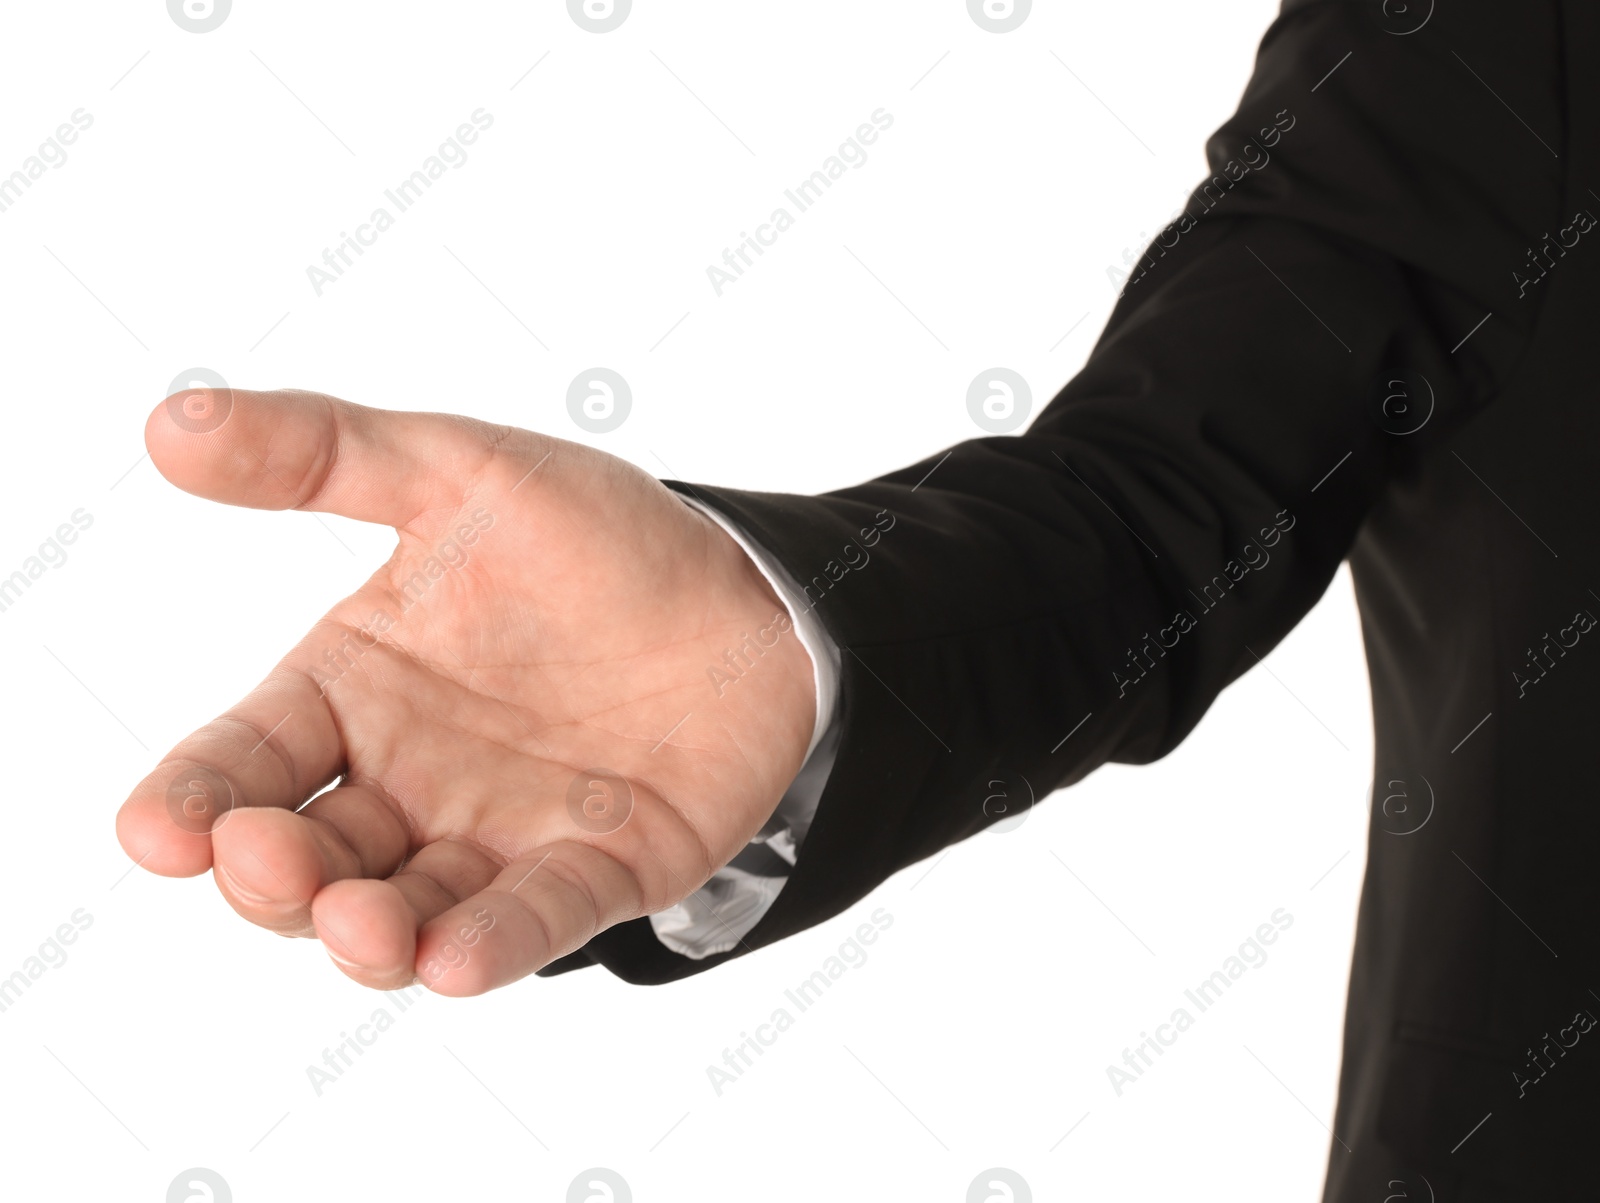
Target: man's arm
511, 739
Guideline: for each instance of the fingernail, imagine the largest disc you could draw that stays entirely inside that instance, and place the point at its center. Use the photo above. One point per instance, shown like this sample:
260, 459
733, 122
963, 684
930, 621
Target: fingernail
240, 892
344, 961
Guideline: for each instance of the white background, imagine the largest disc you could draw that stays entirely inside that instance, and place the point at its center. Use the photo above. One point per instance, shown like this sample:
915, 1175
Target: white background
978, 233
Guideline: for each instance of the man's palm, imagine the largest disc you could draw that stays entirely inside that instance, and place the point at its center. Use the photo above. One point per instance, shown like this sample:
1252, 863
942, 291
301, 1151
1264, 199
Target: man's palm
517, 708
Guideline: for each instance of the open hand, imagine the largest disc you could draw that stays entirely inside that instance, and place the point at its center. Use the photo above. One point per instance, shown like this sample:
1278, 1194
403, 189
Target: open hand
517, 709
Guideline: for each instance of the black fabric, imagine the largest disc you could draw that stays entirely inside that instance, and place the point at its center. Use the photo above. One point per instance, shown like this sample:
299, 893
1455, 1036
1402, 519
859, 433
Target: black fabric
1252, 416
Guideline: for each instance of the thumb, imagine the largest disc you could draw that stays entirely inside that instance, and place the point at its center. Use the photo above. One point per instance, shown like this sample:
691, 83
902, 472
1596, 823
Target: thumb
297, 450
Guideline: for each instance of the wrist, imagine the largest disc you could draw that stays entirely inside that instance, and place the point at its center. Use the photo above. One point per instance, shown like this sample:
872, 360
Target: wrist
769, 671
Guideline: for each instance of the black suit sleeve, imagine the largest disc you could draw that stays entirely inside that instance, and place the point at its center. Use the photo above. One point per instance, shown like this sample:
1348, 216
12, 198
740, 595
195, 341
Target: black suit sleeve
1281, 354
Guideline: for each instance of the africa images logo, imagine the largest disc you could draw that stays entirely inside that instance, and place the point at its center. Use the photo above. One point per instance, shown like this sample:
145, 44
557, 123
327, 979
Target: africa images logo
198, 16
